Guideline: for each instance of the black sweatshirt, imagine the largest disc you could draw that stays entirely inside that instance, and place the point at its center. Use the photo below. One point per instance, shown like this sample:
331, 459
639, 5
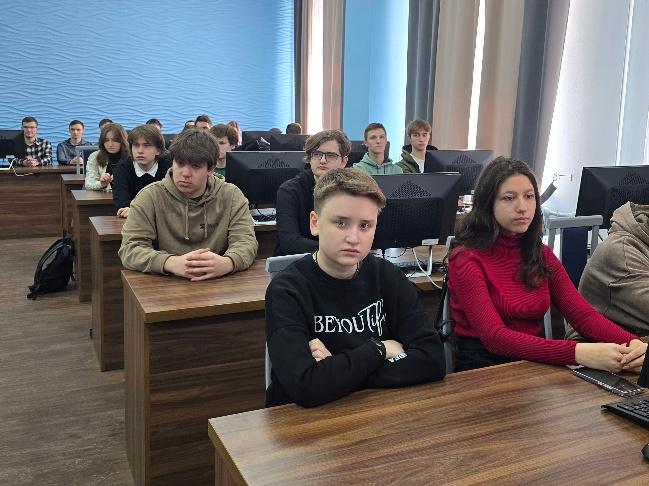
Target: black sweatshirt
294, 204
304, 303
126, 184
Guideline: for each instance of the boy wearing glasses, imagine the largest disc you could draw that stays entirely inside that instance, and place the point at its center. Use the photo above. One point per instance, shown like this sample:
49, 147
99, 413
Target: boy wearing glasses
30, 150
325, 151
340, 319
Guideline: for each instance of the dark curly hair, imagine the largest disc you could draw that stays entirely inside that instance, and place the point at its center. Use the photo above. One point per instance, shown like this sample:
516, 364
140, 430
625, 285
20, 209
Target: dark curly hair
480, 229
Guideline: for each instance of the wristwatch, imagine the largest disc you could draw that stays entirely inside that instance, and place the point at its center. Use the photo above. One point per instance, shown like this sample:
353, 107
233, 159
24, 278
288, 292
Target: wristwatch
380, 347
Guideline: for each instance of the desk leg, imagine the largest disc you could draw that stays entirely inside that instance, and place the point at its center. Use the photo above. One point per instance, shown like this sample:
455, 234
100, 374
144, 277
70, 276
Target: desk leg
179, 374
107, 303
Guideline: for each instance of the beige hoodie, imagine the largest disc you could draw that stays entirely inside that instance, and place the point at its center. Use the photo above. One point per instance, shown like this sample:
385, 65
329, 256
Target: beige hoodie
162, 222
616, 278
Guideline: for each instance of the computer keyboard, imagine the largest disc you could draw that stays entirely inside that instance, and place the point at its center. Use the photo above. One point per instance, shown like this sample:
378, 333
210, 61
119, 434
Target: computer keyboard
634, 409
407, 266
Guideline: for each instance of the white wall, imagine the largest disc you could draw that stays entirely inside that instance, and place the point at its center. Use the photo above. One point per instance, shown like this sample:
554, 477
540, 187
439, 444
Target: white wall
585, 124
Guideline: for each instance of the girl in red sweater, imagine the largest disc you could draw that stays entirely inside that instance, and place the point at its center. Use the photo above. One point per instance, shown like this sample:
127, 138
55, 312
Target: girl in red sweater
503, 279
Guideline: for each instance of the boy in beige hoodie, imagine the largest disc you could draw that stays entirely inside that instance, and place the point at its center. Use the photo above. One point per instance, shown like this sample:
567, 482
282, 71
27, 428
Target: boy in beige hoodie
192, 223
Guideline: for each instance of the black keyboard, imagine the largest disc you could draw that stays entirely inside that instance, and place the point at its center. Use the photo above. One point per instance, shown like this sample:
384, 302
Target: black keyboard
635, 409
407, 266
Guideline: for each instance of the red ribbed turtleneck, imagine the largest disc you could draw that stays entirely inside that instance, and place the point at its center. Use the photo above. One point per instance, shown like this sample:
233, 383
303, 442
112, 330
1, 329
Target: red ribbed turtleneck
489, 303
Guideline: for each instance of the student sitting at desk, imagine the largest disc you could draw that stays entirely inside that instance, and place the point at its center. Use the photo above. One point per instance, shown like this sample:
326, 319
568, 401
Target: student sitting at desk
616, 277
325, 151
146, 144
66, 151
503, 279
227, 138
340, 319
191, 224
374, 162
30, 150
113, 150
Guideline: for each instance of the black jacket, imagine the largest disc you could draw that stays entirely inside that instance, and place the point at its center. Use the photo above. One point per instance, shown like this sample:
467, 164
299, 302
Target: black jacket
294, 204
304, 303
126, 184
407, 163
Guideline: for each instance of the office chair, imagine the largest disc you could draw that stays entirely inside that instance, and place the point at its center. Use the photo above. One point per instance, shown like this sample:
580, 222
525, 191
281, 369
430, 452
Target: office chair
446, 325
574, 252
274, 265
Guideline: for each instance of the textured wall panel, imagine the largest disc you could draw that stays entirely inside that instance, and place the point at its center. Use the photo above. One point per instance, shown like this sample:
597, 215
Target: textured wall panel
133, 60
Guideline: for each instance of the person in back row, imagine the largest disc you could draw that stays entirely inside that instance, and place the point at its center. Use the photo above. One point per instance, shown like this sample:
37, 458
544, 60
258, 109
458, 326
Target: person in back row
227, 138
66, 151
203, 122
325, 151
113, 151
294, 127
502, 280
375, 162
340, 319
30, 150
191, 224
616, 278
413, 156
146, 145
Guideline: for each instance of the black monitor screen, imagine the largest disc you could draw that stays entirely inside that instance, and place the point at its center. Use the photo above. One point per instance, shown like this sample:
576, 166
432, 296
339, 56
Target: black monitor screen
7, 141
250, 135
287, 142
419, 207
359, 150
469, 163
604, 189
259, 174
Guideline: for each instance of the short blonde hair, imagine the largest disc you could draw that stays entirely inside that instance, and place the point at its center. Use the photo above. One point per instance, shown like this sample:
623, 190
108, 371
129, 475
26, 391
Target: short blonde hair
353, 182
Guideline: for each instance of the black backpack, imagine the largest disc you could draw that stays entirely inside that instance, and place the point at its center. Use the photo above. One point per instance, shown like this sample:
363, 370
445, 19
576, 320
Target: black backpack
54, 269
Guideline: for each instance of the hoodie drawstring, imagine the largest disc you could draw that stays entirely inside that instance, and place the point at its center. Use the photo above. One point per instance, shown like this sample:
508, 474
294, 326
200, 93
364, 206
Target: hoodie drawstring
204, 222
187, 220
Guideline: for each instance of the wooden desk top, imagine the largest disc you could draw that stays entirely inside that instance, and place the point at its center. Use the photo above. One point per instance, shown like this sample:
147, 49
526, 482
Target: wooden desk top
108, 228
84, 198
166, 297
72, 178
519, 423
50, 169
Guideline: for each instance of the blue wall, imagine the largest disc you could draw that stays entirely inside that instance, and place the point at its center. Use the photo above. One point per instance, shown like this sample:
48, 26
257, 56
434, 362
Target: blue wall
133, 60
376, 49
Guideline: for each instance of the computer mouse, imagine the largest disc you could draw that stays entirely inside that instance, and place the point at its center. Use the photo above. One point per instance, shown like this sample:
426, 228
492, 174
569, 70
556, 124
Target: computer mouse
645, 452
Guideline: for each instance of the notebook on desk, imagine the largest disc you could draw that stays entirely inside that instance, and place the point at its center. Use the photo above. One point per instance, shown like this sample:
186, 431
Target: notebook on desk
635, 409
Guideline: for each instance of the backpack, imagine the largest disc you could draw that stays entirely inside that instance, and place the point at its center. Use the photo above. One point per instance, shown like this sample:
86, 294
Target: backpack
54, 269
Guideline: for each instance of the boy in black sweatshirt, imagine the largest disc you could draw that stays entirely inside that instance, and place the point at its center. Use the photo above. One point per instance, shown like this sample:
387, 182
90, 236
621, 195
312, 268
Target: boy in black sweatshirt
339, 319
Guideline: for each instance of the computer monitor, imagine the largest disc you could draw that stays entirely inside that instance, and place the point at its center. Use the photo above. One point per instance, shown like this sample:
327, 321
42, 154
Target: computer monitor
419, 207
7, 142
359, 150
259, 174
287, 142
469, 163
250, 135
604, 189
85, 151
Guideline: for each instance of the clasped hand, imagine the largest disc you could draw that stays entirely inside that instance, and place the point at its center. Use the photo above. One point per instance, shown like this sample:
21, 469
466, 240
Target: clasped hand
612, 357
319, 351
201, 264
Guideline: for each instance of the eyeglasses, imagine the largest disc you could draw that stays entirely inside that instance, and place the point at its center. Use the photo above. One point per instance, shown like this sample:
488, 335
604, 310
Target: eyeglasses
330, 156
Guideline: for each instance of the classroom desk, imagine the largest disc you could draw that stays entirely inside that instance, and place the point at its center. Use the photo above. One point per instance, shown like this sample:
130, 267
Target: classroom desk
193, 350
107, 295
106, 291
69, 182
84, 205
518, 423
30, 205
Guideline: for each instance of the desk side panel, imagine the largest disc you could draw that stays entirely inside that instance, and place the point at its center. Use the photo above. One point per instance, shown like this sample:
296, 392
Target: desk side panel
30, 206
136, 367
82, 213
200, 368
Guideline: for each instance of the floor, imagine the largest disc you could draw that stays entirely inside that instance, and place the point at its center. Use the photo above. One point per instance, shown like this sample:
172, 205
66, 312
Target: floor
61, 419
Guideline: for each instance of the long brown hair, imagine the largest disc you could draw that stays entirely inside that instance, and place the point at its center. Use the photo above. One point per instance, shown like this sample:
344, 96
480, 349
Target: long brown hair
119, 134
480, 229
